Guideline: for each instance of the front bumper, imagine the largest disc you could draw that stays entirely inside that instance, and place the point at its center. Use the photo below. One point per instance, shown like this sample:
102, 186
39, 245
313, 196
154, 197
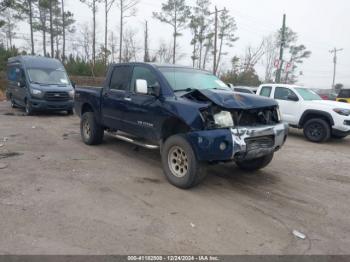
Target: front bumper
242, 143
38, 104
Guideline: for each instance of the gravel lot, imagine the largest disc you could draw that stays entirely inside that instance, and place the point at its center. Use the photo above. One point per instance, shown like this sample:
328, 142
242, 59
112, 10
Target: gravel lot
59, 196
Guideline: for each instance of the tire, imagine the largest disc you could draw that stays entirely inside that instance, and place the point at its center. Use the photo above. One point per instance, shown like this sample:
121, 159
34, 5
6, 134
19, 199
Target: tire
255, 164
317, 130
28, 108
180, 164
70, 112
91, 132
13, 104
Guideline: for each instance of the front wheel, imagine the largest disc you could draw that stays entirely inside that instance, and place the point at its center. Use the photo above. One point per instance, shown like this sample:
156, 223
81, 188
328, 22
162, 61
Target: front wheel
28, 108
91, 131
180, 164
13, 104
255, 164
317, 130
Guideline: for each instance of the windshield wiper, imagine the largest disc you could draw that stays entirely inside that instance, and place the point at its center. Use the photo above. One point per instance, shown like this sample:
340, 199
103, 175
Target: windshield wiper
189, 89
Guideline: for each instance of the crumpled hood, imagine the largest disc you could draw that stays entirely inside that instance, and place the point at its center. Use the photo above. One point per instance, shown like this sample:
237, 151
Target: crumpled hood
232, 100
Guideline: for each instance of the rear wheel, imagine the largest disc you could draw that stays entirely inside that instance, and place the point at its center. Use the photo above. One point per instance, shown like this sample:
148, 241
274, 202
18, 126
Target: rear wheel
255, 164
180, 165
317, 130
91, 132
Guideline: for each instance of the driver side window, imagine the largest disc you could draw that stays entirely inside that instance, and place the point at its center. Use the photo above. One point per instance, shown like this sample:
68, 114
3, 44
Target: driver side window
282, 93
144, 73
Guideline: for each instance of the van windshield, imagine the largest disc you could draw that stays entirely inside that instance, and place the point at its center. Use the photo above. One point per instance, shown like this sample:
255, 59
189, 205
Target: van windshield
48, 76
183, 79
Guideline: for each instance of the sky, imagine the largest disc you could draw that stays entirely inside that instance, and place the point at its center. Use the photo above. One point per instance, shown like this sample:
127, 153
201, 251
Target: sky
321, 25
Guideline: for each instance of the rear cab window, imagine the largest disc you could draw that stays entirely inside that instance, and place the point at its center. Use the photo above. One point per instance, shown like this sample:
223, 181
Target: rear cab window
266, 91
120, 79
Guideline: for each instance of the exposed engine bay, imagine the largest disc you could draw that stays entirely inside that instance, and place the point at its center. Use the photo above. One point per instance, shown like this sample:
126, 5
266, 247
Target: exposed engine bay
218, 113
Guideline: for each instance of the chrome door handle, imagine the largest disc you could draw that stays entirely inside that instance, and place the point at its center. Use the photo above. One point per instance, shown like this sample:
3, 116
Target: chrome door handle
127, 99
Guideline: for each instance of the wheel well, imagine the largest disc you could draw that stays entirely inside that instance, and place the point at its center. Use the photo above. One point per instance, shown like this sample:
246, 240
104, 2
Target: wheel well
315, 115
86, 108
173, 126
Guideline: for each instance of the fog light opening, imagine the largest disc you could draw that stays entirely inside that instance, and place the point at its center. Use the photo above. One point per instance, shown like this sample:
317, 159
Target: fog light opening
223, 146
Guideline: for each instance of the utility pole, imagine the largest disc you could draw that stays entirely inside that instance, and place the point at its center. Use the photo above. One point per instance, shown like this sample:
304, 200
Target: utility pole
334, 52
283, 42
146, 57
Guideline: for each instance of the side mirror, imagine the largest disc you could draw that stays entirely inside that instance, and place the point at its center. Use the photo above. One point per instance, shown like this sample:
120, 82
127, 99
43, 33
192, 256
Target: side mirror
141, 86
293, 98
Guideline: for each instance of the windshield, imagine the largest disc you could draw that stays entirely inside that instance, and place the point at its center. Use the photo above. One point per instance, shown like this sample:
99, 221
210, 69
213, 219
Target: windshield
188, 79
48, 76
308, 94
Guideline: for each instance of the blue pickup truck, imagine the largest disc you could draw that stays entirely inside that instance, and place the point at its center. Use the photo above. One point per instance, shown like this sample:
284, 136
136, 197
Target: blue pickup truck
190, 115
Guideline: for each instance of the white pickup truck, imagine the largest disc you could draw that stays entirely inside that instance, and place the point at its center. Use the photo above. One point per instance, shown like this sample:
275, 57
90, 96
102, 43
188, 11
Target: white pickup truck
303, 108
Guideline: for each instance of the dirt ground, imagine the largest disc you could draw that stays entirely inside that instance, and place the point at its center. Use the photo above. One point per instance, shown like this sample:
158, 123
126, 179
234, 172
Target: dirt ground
59, 196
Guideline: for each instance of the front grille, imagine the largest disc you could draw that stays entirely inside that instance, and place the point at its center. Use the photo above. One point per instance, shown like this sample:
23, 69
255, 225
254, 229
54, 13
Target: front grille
347, 122
56, 96
263, 142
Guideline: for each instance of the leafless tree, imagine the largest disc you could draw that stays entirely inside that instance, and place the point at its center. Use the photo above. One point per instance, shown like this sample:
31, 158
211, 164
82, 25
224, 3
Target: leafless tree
164, 53
9, 27
108, 5
92, 4
127, 9
252, 56
130, 46
270, 55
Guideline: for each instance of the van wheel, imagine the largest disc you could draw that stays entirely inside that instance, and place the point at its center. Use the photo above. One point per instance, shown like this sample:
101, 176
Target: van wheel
28, 108
255, 164
180, 164
13, 104
317, 130
91, 132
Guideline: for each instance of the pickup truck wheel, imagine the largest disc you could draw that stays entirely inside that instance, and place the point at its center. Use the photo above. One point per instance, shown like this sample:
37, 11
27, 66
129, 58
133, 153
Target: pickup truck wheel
91, 132
317, 130
255, 164
180, 165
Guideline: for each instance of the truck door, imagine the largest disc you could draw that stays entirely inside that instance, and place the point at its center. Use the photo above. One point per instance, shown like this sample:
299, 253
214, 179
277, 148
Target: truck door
115, 98
289, 104
143, 110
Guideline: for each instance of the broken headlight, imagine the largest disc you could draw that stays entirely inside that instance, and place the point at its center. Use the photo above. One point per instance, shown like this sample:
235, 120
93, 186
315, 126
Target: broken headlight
223, 119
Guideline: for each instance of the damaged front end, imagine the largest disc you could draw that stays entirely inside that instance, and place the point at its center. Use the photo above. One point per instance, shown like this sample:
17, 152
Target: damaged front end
237, 127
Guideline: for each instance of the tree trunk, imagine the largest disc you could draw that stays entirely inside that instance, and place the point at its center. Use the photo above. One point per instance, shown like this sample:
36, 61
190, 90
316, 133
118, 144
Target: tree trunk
94, 35
106, 29
175, 35
121, 31
44, 41
219, 56
31, 25
63, 34
51, 29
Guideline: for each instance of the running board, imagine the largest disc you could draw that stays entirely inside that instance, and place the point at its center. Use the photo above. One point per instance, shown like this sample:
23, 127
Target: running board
134, 141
